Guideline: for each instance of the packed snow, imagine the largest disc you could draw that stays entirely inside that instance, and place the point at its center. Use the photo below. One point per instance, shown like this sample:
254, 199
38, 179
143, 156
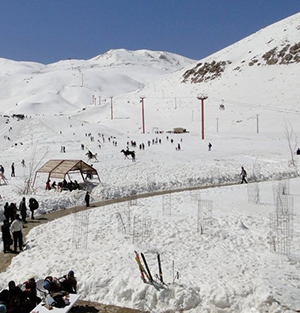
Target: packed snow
216, 244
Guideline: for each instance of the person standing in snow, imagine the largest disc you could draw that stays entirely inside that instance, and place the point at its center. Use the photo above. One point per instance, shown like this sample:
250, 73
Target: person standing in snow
6, 236
12, 209
13, 170
23, 210
16, 229
209, 146
244, 175
33, 205
6, 211
1, 170
87, 199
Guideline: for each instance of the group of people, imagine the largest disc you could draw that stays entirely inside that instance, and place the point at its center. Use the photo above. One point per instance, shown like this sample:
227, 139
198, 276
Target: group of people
63, 185
12, 228
59, 288
13, 172
24, 297
19, 299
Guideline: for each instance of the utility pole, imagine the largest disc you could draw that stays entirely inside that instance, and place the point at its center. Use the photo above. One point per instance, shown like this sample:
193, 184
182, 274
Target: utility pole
257, 129
202, 98
111, 109
143, 114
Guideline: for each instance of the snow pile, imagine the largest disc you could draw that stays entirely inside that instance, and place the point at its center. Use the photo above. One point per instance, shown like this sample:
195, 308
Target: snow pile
228, 268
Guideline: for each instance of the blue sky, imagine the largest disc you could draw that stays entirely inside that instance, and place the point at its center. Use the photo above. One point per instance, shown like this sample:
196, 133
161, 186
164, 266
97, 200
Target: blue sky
47, 31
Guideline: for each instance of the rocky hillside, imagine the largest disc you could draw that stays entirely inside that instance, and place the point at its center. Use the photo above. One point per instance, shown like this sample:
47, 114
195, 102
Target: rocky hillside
277, 44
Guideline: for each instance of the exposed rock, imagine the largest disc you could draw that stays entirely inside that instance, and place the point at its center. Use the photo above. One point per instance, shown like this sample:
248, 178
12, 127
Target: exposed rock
205, 72
288, 54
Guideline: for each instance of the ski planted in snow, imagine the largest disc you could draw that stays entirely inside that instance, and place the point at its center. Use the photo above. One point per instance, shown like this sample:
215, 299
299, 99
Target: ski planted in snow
147, 268
159, 269
142, 270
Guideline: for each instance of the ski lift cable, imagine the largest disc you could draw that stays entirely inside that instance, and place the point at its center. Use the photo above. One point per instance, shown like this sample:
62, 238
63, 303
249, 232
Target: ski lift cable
259, 106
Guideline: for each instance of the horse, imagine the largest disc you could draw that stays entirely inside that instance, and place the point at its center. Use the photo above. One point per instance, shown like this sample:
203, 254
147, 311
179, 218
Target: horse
91, 156
127, 153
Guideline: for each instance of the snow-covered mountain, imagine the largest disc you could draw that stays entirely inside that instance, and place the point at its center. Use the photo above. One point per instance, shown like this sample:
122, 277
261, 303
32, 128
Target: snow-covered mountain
257, 73
69, 85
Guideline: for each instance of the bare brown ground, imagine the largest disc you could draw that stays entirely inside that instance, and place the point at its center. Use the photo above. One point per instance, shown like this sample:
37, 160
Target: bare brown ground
83, 306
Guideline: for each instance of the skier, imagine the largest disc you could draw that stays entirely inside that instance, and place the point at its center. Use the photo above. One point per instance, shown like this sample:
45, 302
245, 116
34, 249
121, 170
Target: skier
244, 175
87, 199
209, 146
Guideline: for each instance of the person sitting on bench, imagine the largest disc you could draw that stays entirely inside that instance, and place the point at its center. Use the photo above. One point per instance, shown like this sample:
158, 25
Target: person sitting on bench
69, 282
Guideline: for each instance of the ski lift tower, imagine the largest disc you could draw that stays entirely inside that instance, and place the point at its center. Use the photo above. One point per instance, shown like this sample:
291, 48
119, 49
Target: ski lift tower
143, 113
202, 98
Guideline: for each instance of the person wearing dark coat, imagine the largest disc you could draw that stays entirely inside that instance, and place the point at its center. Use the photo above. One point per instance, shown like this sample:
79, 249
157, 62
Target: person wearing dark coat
87, 199
6, 238
13, 170
243, 175
6, 211
12, 208
33, 205
69, 282
4, 299
16, 298
30, 291
23, 210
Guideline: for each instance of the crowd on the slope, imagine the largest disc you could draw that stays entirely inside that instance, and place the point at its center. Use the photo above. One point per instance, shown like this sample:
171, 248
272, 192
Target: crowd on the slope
15, 218
24, 298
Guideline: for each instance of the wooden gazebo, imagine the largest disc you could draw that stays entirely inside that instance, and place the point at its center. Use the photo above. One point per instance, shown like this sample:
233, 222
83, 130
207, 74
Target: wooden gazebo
61, 168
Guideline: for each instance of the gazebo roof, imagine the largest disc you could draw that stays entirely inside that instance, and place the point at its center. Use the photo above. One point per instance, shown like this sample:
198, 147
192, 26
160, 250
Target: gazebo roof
59, 168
